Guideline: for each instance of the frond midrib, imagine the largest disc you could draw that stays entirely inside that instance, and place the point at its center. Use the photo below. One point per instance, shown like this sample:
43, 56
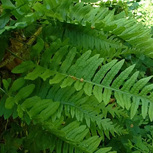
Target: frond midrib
108, 87
88, 114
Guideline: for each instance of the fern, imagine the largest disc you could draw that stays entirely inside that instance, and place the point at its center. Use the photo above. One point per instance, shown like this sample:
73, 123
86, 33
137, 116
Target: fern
76, 92
44, 111
102, 81
85, 38
103, 19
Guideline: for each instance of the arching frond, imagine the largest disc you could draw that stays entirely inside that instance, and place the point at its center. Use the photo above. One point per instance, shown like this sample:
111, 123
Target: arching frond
103, 81
105, 44
99, 18
75, 92
70, 135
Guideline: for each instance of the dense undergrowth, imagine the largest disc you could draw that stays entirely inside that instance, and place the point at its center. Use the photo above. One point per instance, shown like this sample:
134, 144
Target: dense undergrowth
76, 77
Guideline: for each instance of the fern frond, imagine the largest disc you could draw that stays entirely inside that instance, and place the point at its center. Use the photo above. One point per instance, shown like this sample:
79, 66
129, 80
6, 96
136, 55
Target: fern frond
127, 30
102, 81
50, 140
72, 135
71, 104
56, 103
104, 44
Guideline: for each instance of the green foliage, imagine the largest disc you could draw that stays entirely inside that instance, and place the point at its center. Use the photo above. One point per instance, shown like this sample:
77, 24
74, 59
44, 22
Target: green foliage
82, 87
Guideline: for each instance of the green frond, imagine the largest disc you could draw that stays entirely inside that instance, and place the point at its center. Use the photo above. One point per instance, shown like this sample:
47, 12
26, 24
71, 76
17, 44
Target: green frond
43, 111
80, 107
76, 90
57, 102
104, 81
72, 138
100, 18
104, 44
